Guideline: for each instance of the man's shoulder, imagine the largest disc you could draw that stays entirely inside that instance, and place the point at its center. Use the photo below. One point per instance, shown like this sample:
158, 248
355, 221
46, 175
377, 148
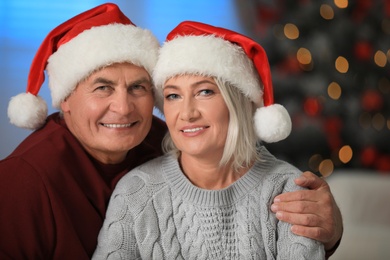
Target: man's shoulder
38, 140
45, 148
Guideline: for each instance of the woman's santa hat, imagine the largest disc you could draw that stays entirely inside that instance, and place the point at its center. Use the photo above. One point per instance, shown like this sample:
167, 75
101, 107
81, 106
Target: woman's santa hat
75, 49
197, 48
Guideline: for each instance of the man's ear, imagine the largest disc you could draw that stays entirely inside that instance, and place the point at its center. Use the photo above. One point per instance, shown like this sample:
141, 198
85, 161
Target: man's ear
65, 106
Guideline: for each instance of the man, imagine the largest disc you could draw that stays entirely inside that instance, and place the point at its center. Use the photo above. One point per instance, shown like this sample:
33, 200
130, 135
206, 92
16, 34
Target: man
55, 186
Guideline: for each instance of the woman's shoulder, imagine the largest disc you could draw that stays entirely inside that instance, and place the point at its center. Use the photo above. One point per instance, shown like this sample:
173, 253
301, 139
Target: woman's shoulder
273, 164
145, 175
277, 172
138, 187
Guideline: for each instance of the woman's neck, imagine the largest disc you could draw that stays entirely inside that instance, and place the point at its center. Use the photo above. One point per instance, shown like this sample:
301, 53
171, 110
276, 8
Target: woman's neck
207, 174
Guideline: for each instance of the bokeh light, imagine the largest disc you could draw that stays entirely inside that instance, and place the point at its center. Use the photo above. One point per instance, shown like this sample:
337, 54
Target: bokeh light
345, 154
378, 121
368, 156
380, 59
342, 64
363, 50
326, 12
341, 3
334, 90
314, 162
388, 53
312, 106
372, 100
326, 167
291, 31
304, 58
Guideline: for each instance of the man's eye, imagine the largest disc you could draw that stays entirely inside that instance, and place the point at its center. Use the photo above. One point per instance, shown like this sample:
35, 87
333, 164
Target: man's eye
102, 88
138, 89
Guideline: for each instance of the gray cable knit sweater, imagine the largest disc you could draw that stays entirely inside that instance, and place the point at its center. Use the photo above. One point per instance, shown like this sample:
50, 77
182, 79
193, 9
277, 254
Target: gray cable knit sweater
156, 213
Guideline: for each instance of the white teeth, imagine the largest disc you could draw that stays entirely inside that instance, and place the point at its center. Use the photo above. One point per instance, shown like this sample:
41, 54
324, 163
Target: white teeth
116, 125
192, 130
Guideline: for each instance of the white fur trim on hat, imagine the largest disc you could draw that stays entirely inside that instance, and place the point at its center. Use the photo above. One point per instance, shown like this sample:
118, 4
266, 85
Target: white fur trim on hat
27, 111
95, 48
272, 123
207, 55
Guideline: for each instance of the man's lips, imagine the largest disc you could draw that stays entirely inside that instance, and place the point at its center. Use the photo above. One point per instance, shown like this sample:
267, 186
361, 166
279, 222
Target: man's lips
118, 125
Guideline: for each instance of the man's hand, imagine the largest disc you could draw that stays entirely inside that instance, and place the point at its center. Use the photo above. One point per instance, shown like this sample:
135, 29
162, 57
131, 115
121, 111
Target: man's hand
313, 213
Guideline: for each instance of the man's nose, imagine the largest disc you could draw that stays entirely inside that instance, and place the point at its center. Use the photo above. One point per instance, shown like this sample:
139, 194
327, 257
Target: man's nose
122, 103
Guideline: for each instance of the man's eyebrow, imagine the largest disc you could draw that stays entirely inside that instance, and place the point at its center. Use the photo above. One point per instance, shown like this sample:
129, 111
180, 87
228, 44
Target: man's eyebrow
101, 80
141, 80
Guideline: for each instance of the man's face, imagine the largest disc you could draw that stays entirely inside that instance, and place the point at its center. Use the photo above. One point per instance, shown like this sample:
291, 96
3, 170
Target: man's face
110, 112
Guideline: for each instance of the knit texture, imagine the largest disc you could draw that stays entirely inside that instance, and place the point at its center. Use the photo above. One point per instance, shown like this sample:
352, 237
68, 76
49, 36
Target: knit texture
155, 212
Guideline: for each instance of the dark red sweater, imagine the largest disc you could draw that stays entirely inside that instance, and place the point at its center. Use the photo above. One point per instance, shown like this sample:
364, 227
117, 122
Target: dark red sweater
53, 195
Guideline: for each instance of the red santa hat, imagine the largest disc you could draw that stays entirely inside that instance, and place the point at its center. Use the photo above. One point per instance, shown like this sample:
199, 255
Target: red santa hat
72, 51
197, 48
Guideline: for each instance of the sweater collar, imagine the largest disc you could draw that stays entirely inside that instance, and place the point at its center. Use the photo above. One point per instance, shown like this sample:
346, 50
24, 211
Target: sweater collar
181, 186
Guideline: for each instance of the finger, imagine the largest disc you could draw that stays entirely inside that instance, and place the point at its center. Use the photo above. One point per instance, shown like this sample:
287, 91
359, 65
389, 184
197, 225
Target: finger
299, 195
311, 181
301, 220
300, 207
315, 233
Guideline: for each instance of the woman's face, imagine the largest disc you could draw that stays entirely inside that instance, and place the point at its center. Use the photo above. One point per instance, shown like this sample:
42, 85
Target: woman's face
196, 115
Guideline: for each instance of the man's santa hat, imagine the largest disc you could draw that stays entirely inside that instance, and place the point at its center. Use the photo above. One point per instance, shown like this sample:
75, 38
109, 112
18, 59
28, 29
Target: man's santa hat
197, 48
75, 49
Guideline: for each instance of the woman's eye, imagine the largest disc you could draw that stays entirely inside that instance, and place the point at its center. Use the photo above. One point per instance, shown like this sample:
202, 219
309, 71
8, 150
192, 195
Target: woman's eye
206, 92
171, 96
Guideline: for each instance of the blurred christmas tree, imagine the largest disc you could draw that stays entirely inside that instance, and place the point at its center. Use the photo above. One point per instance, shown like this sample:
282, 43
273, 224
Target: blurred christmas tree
330, 65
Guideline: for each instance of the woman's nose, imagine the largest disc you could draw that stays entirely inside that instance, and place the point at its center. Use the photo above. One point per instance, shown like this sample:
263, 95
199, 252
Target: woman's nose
189, 110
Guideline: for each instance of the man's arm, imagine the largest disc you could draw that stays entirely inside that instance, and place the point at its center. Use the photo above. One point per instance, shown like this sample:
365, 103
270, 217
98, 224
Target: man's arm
26, 219
313, 213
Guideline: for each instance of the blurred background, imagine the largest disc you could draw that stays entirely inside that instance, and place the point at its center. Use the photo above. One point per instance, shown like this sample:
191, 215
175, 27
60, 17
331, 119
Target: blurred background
330, 64
331, 70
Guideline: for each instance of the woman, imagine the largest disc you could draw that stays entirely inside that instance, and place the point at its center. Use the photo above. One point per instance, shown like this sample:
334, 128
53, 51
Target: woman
209, 196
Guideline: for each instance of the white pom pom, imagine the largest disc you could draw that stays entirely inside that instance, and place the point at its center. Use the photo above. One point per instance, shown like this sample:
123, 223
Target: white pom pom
272, 123
27, 111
